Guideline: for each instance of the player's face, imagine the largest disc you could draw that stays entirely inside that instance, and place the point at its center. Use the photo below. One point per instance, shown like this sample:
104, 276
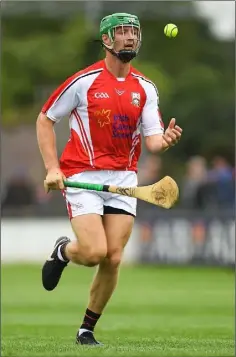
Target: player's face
126, 37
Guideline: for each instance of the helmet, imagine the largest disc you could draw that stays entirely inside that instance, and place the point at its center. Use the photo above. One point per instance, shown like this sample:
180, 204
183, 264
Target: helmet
108, 25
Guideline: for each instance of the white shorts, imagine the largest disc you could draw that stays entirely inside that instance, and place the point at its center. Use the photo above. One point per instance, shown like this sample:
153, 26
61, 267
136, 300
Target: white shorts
81, 201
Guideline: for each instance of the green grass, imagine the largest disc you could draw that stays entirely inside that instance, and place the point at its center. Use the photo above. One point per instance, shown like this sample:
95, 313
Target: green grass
154, 312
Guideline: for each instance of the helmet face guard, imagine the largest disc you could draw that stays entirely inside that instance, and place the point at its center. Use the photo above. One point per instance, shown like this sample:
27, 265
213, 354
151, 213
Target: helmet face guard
109, 25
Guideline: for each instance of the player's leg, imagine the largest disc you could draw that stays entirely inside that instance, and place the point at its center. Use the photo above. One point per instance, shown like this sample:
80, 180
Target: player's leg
118, 219
90, 246
118, 228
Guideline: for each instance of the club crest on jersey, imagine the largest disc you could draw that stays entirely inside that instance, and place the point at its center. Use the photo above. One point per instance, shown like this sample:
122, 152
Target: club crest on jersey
103, 117
135, 99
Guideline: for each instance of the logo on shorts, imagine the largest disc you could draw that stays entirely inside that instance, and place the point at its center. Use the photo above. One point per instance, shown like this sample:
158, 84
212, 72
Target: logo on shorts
135, 99
79, 205
103, 117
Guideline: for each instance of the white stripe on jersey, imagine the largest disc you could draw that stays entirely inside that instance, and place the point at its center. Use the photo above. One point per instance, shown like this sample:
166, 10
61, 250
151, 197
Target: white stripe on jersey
137, 131
146, 80
82, 112
86, 141
94, 71
79, 116
74, 124
135, 141
151, 120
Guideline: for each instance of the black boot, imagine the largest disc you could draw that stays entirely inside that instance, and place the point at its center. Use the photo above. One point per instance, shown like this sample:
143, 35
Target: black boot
53, 267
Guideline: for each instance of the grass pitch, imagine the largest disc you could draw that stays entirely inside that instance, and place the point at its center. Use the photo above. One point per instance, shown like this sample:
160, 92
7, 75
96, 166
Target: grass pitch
155, 311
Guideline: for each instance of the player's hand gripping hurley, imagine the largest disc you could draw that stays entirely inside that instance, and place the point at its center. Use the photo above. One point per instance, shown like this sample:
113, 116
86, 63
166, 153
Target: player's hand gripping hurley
163, 193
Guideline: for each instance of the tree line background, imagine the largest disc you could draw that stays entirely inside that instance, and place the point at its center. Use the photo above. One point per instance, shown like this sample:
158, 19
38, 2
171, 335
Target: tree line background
44, 44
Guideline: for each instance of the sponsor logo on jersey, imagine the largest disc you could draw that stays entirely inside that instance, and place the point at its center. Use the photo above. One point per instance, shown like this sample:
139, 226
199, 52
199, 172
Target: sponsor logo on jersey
103, 117
99, 95
135, 99
121, 127
119, 92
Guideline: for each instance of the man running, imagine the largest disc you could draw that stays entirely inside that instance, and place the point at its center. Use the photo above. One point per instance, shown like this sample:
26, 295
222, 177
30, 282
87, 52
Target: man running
108, 104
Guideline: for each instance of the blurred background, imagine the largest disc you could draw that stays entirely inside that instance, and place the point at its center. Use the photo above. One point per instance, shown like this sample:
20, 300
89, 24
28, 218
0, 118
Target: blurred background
176, 293
45, 42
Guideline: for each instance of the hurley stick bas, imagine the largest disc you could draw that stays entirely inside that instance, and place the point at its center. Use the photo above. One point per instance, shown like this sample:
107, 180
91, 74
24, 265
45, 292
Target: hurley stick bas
163, 193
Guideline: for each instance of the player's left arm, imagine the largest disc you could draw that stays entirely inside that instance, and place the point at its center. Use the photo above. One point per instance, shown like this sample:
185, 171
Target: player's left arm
157, 139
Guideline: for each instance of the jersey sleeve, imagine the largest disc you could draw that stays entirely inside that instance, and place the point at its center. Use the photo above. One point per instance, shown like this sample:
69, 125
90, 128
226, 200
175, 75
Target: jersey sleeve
63, 100
151, 121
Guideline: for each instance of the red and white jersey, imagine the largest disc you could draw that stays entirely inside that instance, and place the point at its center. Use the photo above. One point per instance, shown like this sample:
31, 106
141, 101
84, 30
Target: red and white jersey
106, 115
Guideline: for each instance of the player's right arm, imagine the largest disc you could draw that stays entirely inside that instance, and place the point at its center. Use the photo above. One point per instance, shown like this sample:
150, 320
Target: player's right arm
59, 105
47, 146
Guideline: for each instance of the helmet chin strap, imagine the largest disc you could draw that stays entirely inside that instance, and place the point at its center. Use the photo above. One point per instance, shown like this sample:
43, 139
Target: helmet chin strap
124, 56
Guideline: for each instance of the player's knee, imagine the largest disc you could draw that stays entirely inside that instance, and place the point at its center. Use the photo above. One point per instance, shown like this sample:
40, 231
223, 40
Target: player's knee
95, 256
114, 259
73, 251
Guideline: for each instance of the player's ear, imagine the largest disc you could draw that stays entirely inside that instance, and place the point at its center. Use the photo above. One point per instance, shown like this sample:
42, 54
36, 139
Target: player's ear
106, 39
